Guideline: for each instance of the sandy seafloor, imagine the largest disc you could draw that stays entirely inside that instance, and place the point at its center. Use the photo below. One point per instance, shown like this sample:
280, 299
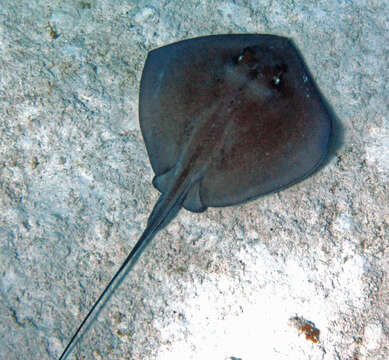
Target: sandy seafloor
75, 193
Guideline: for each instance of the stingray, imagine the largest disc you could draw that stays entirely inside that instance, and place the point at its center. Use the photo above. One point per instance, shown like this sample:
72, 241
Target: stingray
225, 119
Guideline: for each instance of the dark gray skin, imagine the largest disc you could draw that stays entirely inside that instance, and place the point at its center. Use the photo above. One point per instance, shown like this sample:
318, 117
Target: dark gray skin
225, 119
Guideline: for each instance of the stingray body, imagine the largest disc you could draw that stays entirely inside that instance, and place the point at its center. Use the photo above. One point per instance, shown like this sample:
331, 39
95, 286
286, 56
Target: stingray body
225, 119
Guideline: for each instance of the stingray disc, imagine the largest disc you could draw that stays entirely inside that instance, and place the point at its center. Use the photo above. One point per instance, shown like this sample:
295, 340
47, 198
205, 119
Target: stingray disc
243, 106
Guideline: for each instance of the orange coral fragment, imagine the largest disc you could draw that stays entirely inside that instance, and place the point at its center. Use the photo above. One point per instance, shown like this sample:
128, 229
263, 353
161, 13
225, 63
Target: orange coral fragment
306, 327
310, 332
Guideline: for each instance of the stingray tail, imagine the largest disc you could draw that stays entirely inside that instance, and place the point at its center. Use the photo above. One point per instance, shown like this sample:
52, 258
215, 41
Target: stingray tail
164, 211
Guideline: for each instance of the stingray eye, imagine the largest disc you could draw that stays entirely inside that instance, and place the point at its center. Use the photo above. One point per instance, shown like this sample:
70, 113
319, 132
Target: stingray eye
277, 78
247, 56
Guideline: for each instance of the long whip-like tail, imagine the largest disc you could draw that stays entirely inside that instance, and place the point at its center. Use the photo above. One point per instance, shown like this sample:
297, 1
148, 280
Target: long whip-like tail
164, 211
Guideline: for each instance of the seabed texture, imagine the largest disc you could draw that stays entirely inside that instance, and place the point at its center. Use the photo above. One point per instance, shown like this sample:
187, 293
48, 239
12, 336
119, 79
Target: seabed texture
298, 275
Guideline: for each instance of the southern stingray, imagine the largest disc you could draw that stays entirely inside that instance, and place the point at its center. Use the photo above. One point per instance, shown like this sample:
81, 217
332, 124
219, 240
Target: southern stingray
225, 119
